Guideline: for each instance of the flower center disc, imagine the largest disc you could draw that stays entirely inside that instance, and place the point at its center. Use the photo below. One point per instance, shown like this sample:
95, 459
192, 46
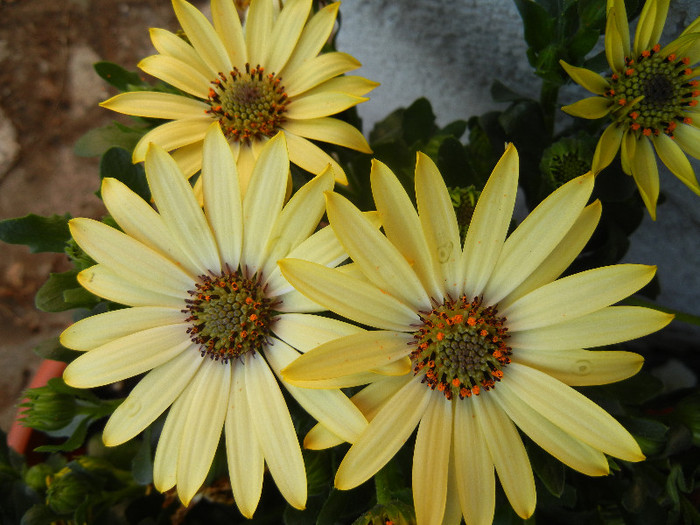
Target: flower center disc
248, 105
461, 348
229, 315
654, 92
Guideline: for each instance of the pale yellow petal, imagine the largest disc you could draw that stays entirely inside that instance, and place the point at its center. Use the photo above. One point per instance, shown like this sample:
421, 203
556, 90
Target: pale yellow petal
305, 332
349, 84
317, 70
170, 44
167, 451
453, 509
258, 32
650, 25
590, 80
202, 37
591, 107
286, 30
576, 295
228, 26
312, 39
172, 135
688, 138
245, 162
431, 457
327, 129
295, 301
188, 158
607, 147
321, 104
310, 157
615, 48
646, 174
177, 73
156, 105
673, 157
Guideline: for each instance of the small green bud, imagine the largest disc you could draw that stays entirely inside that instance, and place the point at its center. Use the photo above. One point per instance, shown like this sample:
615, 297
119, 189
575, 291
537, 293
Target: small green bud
48, 410
37, 476
565, 160
68, 490
394, 513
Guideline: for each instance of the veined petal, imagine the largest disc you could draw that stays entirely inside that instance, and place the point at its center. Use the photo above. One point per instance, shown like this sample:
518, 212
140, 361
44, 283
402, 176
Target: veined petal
476, 481
508, 454
672, 155
245, 162
591, 108
172, 135
167, 451
607, 147
610, 325
189, 159
317, 70
332, 408
246, 463
614, 48
566, 448
129, 258
590, 80
151, 396
350, 354
310, 157
202, 429
385, 435
576, 367
167, 43
561, 256
156, 105
305, 332
128, 356
349, 84
327, 129
140, 221
180, 210
222, 196
275, 430
646, 174
263, 200
177, 73
322, 104
489, 224
258, 32
202, 36
576, 295
347, 296
227, 25
431, 457
537, 236
312, 39
571, 411
295, 301
379, 260
100, 329
650, 25
688, 138
402, 225
322, 247
286, 30
103, 282
439, 224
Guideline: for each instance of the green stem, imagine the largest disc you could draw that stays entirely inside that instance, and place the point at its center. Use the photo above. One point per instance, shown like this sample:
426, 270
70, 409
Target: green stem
680, 316
548, 100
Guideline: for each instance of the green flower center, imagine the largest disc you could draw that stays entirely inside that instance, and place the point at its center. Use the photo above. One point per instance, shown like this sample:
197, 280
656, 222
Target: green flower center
229, 315
248, 105
653, 93
566, 167
461, 348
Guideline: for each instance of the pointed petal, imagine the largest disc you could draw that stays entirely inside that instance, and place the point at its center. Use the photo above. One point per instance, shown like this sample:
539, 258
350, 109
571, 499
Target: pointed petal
453, 509
607, 147
327, 129
378, 259
572, 412
347, 296
246, 463
672, 155
228, 26
564, 447
627, 149
129, 258
165, 460
489, 224
476, 481
245, 164
180, 210
128, 356
349, 355
287, 30
537, 236
94, 331
176, 73
591, 107
576, 295
349, 84
688, 138
318, 70
305, 332
508, 454
294, 301
590, 80
646, 174
150, 398
258, 32
222, 196
616, 46
173, 135
202, 36
156, 105
385, 435
167, 43
312, 39
202, 429
332, 408
321, 104
650, 25
431, 457
275, 431
188, 159
310, 157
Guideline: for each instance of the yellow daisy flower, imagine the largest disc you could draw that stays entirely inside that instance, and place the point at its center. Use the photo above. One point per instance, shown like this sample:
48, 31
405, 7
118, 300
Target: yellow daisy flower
210, 319
494, 338
652, 98
255, 81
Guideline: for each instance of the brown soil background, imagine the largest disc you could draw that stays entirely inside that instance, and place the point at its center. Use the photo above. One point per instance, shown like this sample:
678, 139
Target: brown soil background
48, 98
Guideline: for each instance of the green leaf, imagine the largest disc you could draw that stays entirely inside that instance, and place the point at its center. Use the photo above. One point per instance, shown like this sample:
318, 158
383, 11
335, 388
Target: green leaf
51, 297
538, 24
41, 234
117, 76
73, 442
650, 434
549, 470
502, 93
97, 141
52, 349
418, 122
142, 464
116, 163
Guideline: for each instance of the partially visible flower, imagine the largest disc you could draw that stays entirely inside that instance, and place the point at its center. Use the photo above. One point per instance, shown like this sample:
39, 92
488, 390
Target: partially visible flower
211, 319
464, 201
495, 339
652, 98
394, 513
255, 82
565, 160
